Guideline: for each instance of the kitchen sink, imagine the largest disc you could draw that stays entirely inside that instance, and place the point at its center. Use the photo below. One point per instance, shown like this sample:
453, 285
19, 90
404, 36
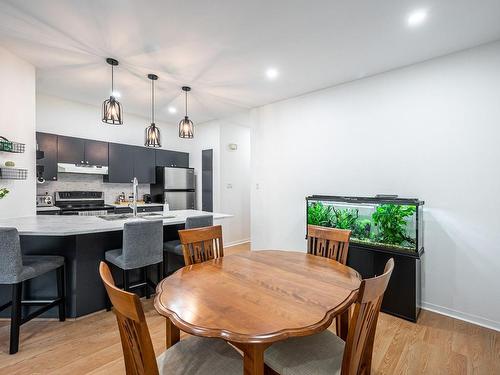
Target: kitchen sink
155, 216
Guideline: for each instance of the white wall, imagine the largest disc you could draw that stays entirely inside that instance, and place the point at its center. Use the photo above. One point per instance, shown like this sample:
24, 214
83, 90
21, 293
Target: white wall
17, 123
231, 172
235, 182
429, 131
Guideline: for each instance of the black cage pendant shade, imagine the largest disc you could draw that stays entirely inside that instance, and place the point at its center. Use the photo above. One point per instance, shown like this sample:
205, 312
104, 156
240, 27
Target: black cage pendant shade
186, 128
111, 108
152, 132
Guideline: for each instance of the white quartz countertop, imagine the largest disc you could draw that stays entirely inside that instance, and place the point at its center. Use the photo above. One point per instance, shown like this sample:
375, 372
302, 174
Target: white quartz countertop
60, 225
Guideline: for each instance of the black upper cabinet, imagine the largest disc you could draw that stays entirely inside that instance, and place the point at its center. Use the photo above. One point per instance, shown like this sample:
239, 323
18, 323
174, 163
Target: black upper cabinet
70, 150
121, 164
48, 144
127, 162
144, 165
96, 152
82, 151
167, 158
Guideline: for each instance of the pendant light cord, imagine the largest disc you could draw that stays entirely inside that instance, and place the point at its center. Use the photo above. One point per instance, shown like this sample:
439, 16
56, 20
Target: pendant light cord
152, 101
186, 103
112, 81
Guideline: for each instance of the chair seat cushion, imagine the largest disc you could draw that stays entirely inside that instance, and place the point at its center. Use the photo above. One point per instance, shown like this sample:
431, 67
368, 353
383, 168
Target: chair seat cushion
115, 257
173, 247
36, 265
199, 355
318, 354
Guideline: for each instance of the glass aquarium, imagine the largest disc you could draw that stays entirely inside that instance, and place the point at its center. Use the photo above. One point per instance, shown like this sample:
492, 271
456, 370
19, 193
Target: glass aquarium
385, 222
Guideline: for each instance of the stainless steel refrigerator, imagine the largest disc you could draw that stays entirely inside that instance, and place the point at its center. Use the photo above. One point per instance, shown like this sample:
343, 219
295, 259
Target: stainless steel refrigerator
175, 186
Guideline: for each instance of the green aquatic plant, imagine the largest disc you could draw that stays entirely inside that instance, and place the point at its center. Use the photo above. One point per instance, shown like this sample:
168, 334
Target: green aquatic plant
391, 224
344, 218
3, 192
319, 214
362, 229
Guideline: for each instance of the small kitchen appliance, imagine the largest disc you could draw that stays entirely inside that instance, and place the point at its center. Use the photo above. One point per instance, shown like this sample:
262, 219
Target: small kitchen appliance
44, 200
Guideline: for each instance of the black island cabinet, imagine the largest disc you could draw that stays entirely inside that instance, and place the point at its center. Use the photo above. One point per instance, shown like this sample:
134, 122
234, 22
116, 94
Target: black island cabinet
382, 227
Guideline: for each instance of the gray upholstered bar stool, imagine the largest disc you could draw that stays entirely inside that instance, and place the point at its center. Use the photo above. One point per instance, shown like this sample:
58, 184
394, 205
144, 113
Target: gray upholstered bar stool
142, 248
15, 269
173, 256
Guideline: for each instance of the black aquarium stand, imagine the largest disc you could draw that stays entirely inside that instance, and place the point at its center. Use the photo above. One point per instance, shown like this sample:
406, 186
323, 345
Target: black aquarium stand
403, 295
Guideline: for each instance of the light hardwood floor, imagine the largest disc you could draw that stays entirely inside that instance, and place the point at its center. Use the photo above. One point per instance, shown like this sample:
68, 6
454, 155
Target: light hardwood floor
91, 345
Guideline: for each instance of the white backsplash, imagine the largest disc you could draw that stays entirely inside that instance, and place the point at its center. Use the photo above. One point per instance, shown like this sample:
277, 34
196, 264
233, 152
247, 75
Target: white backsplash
88, 182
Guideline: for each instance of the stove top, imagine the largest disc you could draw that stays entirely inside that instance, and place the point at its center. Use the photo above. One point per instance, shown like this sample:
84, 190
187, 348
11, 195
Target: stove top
79, 201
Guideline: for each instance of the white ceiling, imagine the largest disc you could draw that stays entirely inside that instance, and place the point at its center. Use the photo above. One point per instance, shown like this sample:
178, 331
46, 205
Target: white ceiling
222, 48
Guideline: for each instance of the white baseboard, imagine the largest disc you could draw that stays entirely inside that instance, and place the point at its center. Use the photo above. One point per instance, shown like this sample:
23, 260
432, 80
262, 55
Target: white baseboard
238, 242
471, 318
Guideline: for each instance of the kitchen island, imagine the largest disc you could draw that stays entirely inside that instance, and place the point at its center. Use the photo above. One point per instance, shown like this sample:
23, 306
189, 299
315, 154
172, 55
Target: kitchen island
82, 241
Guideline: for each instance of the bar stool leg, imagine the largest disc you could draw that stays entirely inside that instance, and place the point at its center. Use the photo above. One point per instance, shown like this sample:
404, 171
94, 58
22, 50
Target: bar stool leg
125, 280
61, 292
146, 287
15, 317
160, 272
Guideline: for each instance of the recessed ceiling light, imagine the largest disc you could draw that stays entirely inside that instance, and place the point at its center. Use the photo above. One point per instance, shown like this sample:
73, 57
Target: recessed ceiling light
272, 73
417, 17
116, 94
172, 110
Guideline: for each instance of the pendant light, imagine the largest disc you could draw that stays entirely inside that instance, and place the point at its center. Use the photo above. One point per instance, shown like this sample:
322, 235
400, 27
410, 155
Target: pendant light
186, 128
111, 108
152, 132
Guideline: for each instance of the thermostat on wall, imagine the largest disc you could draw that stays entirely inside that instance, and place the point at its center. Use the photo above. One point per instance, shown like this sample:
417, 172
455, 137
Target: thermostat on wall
233, 146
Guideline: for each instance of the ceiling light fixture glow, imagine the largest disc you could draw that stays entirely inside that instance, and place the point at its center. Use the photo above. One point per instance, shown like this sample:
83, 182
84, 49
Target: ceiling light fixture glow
172, 110
272, 73
417, 17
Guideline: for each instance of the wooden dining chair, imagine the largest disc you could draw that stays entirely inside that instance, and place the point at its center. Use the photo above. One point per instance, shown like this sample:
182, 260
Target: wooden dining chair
330, 243
325, 353
193, 355
201, 244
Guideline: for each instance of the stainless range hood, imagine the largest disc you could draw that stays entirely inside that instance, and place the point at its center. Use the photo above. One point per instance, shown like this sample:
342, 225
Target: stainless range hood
81, 168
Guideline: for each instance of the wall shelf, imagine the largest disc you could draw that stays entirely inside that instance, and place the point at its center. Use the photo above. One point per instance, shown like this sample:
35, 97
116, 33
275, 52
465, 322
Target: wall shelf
13, 174
9, 146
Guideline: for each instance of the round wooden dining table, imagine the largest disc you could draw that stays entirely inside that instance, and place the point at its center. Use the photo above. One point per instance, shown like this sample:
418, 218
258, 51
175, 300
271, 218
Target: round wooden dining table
256, 298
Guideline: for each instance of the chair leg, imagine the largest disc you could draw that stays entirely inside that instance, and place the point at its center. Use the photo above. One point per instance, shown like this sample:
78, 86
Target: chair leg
61, 292
15, 317
146, 285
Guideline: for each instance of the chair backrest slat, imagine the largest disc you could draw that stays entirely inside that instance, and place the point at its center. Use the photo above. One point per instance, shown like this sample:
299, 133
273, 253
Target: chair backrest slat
359, 345
330, 243
201, 244
137, 347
